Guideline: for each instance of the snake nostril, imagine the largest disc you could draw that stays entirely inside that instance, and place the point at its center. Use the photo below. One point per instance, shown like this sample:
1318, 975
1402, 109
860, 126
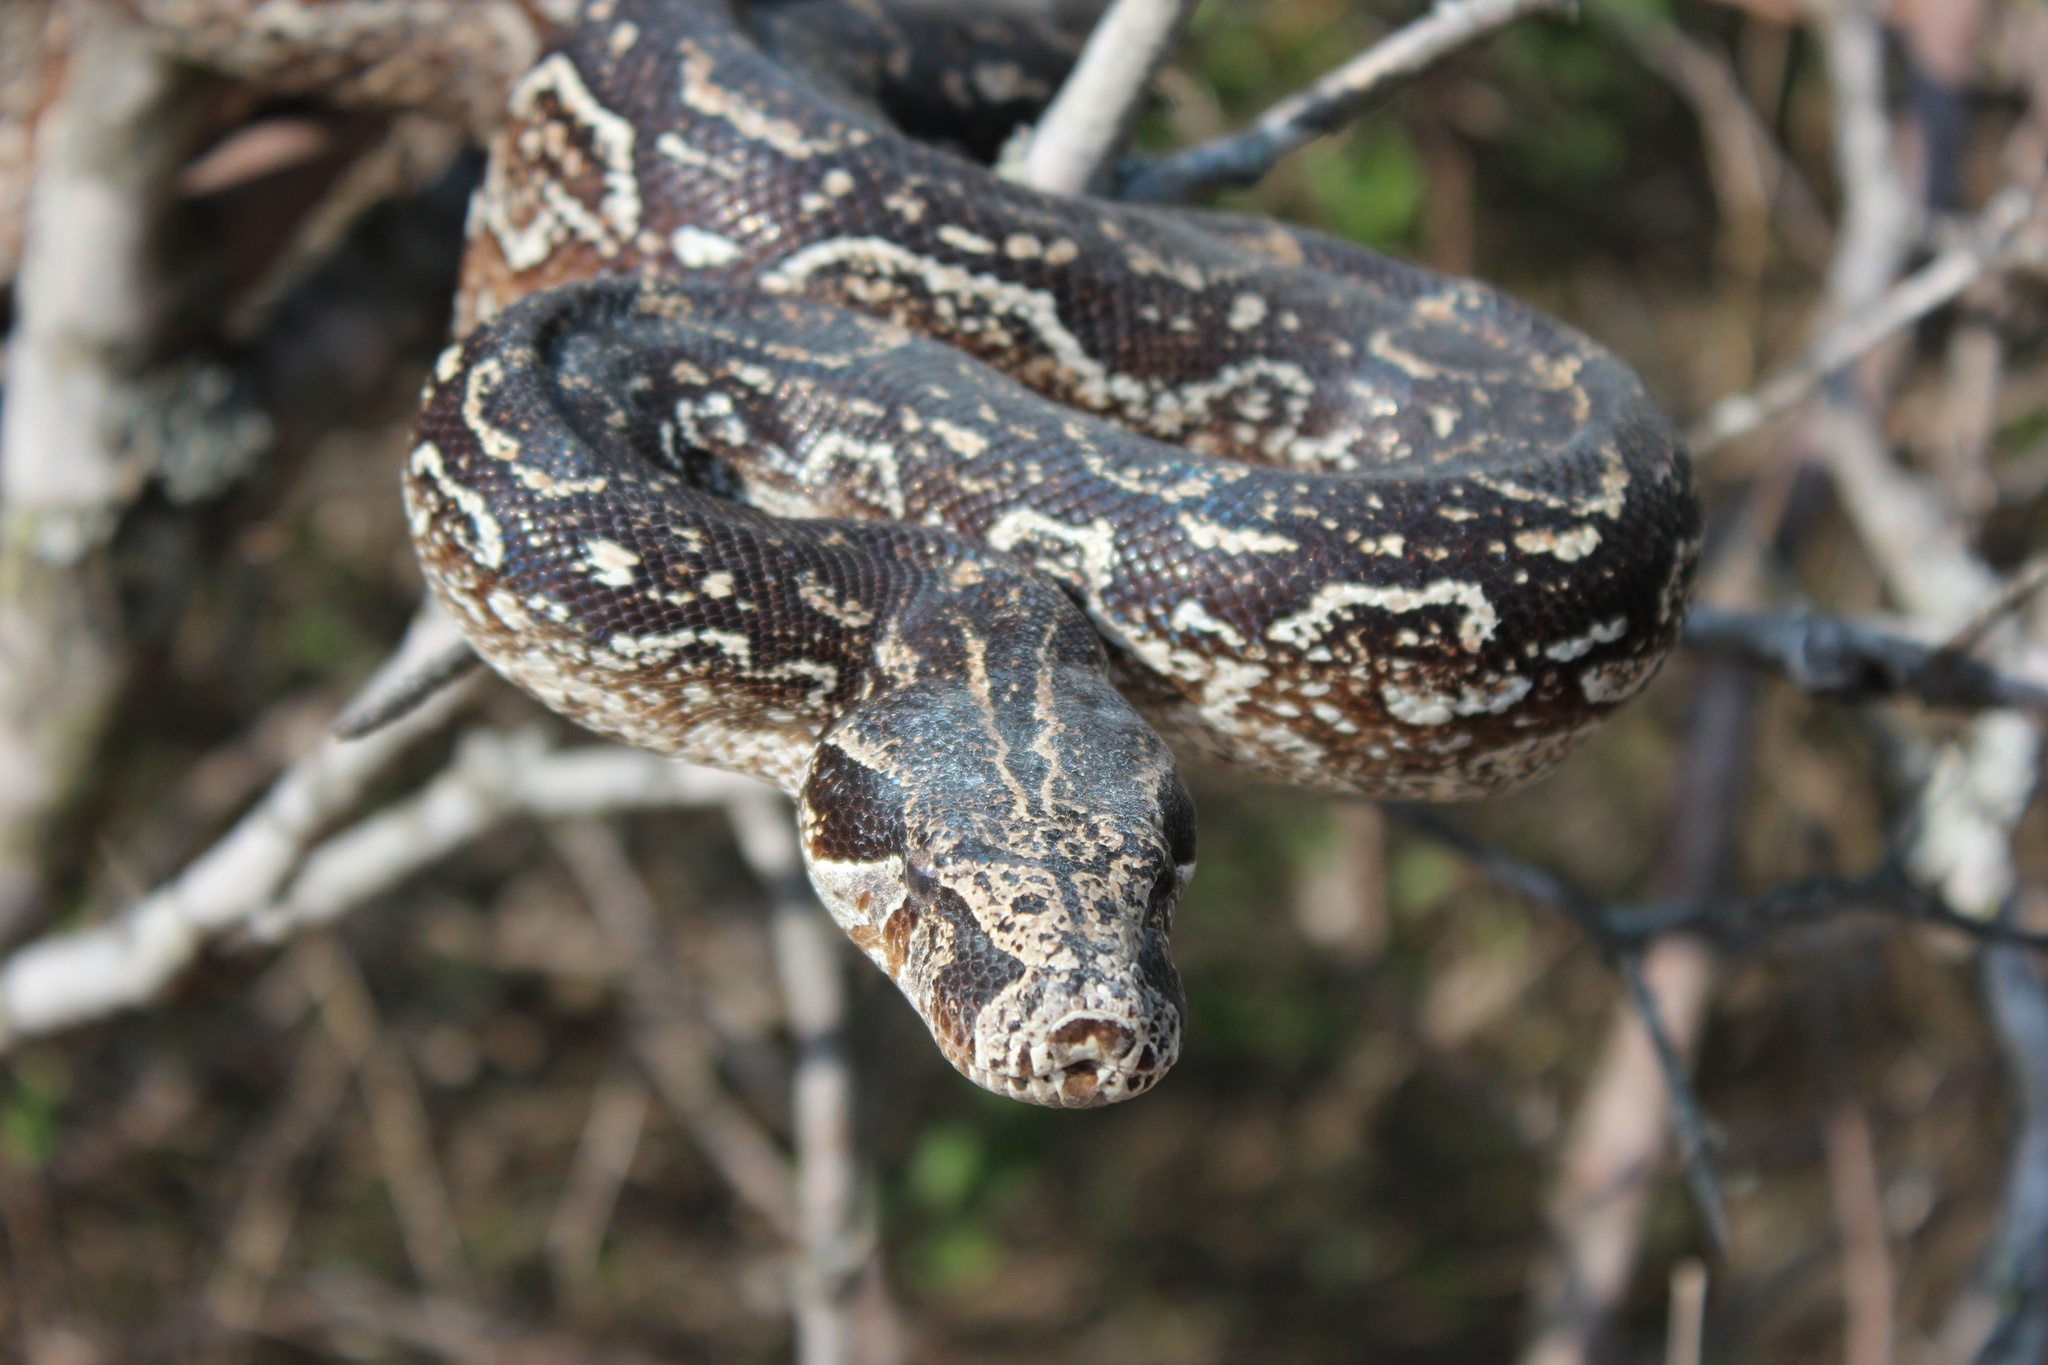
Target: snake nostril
1111, 1040
1079, 1082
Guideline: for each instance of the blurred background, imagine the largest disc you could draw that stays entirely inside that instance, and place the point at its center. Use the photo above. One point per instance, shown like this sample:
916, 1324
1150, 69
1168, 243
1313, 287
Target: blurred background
1360, 1156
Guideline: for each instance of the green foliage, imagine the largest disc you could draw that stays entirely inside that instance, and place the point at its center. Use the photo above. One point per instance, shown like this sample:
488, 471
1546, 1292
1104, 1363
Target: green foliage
946, 1168
960, 1183
1366, 185
321, 640
30, 1115
1420, 875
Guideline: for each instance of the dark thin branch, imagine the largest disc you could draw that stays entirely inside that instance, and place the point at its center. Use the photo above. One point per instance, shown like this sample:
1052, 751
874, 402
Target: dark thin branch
1625, 956
410, 693
1687, 1122
1841, 658
2015, 1274
1624, 928
1243, 157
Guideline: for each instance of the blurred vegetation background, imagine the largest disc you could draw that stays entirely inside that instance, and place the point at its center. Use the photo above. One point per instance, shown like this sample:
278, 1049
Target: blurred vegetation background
1350, 1162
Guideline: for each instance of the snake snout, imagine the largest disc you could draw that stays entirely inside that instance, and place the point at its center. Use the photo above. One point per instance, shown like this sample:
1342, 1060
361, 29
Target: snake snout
1098, 1061
1078, 1054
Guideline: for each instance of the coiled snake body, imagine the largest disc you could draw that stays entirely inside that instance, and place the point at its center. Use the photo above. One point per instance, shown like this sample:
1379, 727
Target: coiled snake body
765, 476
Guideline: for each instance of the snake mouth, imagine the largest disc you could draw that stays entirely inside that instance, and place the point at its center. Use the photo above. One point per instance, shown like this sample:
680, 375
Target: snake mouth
1084, 1062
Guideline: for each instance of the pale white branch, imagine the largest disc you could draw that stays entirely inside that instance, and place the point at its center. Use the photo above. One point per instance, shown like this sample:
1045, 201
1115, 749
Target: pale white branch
455, 58
87, 302
1092, 116
1879, 213
1985, 248
71, 977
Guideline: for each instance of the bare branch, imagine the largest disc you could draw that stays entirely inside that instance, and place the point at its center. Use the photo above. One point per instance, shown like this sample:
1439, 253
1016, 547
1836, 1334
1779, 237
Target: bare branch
1866, 1254
88, 304
672, 1041
2012, 1291
455, 58
1879, 214
398, 1121
1091, 118
408, 694
88, 299
1243, 157
34, 38
1986, 247
604, 1155
71, 977
838, 1247
1683, 1343
494, 777
1827, 654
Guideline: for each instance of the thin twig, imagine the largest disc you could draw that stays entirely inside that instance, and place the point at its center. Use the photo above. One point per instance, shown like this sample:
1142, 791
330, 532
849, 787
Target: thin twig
1241, 158
1734, 921
67, 978
1606, 1175
398, 1120
1816, 652
604, 1155
1866, 1253
253, 1248
1983, 249
2015, 1275
2001, 1318
669, 1036
1687, 1123
1607, 1170
1753, 177
1092, 116
837, 1254
2014, 595
410, 693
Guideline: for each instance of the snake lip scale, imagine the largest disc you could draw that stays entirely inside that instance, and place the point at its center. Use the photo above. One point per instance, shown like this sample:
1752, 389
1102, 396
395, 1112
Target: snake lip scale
789, 445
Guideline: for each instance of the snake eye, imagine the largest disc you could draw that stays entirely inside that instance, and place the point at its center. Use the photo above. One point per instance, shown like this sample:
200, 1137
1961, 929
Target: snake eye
1164, 887
1177, 819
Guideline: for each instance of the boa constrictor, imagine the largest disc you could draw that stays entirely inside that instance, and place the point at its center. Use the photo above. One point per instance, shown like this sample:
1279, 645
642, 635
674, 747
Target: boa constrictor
795, 447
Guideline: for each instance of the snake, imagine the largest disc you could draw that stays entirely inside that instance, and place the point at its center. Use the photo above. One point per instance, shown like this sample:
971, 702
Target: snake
967, 515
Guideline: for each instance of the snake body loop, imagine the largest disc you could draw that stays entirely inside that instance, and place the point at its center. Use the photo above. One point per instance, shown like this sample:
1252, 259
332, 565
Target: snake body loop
777, 486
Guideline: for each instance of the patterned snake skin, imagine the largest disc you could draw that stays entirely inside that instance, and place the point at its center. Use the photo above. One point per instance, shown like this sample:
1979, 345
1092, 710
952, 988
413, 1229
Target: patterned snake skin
754, 464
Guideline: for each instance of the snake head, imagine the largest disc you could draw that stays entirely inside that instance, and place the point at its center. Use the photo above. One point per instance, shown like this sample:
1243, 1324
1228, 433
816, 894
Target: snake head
1012, 862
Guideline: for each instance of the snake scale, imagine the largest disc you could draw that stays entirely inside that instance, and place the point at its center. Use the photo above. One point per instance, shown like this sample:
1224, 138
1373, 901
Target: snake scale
792, 446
